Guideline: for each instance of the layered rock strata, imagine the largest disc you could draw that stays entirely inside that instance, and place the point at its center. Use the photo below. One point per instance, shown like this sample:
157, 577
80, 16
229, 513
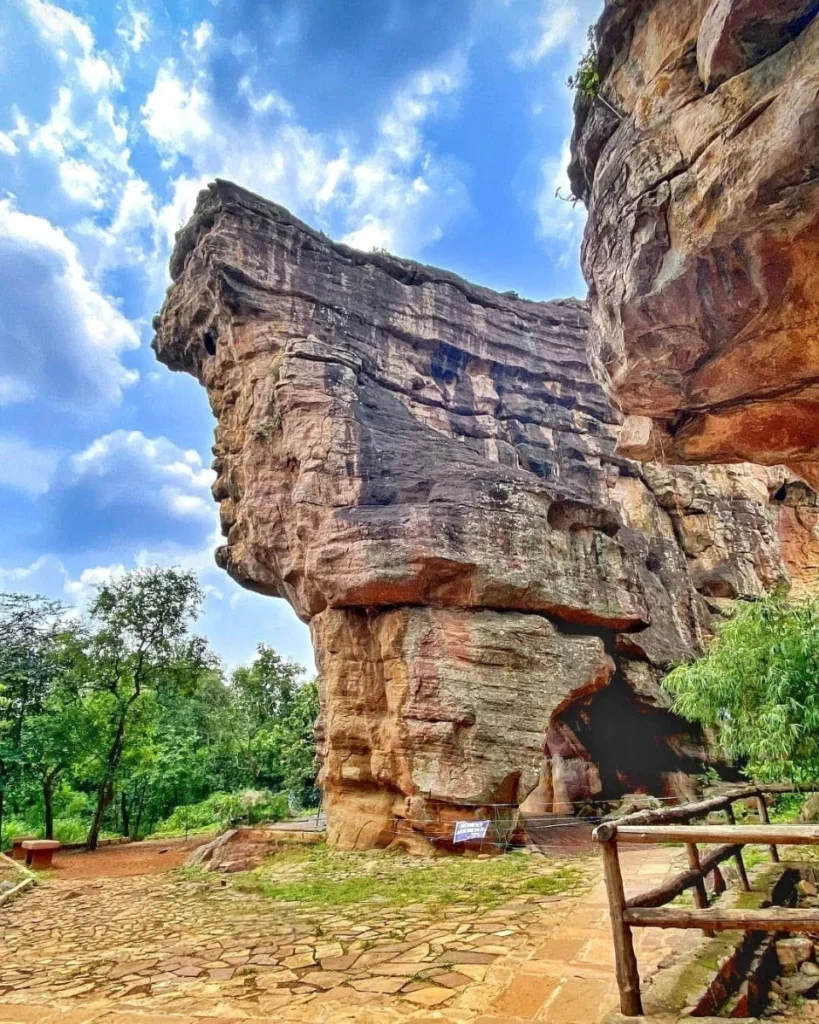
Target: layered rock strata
699, 164
426, 471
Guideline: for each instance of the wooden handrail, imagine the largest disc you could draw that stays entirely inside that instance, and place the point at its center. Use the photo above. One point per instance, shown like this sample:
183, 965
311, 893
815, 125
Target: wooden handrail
667, 891
685, 812
672, 824
759, 835
774, 919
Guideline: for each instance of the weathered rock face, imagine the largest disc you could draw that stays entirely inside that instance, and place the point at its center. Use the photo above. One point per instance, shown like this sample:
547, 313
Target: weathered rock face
426, 471
702, 245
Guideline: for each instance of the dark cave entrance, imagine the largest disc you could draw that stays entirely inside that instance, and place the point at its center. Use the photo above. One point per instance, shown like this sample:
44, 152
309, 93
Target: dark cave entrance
635, 745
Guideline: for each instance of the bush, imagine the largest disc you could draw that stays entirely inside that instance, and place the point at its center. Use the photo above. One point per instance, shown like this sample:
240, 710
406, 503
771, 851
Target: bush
586, 80
757, 688
67, 830
221, 810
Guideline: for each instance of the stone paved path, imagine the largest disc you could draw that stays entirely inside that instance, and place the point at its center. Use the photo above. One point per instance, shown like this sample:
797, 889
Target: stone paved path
159, 950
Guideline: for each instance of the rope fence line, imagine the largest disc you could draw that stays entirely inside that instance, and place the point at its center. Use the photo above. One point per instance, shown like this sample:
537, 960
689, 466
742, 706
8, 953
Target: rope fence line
512, 829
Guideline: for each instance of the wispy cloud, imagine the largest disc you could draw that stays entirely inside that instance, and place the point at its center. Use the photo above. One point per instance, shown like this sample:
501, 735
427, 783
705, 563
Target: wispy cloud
557, 23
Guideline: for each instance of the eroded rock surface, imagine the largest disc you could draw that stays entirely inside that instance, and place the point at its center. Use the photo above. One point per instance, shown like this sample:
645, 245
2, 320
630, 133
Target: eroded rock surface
426, 471
702, 245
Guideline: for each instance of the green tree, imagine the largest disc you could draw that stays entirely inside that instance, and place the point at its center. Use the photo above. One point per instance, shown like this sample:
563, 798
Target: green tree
28, 630
274, 719
182, 755
757, 687
139, 645
54, 741
264, 692
299, 760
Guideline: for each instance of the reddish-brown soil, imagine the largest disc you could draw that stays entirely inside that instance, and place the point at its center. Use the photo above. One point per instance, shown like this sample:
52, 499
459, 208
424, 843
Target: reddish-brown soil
152, 857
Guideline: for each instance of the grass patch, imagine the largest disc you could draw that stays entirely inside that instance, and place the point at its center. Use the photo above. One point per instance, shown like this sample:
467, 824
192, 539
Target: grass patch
321, 876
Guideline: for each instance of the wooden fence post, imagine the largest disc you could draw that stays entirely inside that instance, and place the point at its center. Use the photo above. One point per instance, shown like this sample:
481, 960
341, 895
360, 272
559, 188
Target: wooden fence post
763, 817
628, 975
700, 892
740, 863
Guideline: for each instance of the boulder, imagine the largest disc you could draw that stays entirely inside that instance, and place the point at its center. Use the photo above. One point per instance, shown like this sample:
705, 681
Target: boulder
793, 952
237, 849
810, 808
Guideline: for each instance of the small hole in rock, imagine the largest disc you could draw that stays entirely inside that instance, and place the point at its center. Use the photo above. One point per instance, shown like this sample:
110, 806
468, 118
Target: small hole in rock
209, 341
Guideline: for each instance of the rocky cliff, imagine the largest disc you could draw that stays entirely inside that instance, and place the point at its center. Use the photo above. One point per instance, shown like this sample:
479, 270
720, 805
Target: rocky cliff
699, 164
426, 471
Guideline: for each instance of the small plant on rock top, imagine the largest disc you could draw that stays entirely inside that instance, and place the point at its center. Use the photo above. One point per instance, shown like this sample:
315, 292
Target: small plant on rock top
586, 80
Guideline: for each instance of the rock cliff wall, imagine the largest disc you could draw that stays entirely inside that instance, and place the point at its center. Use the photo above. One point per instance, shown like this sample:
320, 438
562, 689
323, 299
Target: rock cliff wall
426, 471
702, 244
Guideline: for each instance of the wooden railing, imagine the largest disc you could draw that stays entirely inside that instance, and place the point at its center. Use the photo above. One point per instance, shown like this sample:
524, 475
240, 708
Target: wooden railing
671, 825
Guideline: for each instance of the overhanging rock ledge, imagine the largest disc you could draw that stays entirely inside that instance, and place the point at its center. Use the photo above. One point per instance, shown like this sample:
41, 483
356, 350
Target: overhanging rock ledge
426, 470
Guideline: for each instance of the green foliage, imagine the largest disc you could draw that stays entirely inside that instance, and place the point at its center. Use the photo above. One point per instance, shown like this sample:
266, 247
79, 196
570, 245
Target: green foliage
275, 714
220, 810
322, 876
757, 687
586, 80
110, 722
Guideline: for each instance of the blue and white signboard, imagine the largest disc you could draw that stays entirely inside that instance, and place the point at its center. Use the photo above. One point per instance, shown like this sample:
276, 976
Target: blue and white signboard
467, 830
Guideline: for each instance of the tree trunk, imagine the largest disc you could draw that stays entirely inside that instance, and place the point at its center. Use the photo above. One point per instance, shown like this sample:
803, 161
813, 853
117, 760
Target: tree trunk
2, 808
138, 822
123, 803
48, 805
105, 794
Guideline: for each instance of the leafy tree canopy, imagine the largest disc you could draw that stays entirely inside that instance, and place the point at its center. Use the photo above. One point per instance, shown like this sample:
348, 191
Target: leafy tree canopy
122, 720
757, 687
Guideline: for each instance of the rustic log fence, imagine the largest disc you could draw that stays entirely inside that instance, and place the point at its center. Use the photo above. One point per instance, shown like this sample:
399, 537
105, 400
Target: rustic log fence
672, 825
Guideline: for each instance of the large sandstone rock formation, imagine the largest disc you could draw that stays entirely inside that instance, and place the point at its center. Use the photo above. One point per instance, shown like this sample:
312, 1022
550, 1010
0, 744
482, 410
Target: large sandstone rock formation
426, 471
702, 245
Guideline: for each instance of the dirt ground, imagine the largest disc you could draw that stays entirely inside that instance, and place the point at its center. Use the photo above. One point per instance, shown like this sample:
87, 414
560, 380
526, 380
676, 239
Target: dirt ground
152, 857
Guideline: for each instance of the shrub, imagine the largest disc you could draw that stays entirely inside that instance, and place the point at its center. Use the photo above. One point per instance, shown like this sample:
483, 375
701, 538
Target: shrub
220, 810
586, 80
757, 687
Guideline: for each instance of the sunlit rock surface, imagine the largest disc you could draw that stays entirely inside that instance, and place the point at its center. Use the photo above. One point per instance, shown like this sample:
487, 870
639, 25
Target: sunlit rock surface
702, 244
426, 471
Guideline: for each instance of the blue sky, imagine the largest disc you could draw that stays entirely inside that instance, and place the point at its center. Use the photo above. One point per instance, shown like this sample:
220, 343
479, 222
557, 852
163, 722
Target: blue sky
434, 128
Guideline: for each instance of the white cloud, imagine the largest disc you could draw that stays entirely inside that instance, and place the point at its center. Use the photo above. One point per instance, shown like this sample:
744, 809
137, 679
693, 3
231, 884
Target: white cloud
85, 134
397, 193
177, 116
134, 28
44, 575
148, 490
63, 30
270, 100
8, 139
24, 467
61, 338
179, 471
559, 217
73, 41
81, 182
8, 147
82, 590
202, 36
557, 23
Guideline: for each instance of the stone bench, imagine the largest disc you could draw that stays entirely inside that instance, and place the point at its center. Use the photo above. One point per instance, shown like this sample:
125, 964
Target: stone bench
39, 853
17, 852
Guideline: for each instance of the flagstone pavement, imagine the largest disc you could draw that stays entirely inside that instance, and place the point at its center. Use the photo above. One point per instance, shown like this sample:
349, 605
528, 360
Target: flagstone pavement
153, 950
